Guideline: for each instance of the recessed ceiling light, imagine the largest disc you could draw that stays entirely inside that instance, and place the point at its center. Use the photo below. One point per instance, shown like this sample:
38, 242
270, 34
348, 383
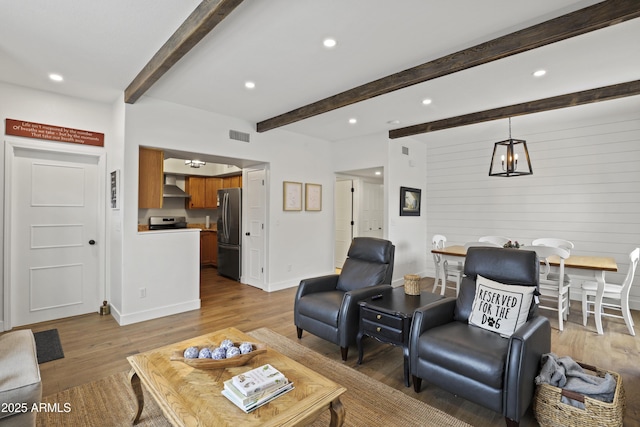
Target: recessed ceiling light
353, 121
56, 77
426, 101
249, 85
393, 122
539, 73
329, 43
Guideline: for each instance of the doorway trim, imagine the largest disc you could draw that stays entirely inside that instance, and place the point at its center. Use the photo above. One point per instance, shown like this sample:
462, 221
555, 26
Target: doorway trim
262, 284
9, 161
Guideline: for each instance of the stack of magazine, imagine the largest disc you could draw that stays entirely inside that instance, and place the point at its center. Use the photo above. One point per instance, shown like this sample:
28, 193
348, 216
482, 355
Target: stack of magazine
252, 389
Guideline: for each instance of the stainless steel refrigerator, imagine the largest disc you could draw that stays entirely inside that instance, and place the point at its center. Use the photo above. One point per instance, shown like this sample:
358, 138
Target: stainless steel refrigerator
230, 232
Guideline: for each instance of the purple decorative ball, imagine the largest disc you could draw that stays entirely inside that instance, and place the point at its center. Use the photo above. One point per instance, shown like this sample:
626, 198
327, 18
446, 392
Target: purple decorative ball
233, 351
219, 353
246, 347
191, 353
205, 353
226, 344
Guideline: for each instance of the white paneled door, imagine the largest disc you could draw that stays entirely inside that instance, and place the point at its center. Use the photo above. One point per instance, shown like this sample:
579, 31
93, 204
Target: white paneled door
54, 269
254, 239
371, 210
344, 220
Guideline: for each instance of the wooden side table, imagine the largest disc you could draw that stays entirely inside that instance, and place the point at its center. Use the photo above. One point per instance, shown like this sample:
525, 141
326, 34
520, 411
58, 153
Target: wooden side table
388, 319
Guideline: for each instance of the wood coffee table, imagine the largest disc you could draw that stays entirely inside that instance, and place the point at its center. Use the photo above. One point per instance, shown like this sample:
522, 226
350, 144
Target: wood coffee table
189, 396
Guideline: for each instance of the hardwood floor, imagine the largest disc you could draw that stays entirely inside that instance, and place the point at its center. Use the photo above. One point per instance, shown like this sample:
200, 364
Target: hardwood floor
95, 346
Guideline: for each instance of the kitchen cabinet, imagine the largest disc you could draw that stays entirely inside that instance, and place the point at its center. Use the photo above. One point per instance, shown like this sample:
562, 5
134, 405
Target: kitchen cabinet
195, 186
234, 181
211, 187
208, 248
203, 191
150, 178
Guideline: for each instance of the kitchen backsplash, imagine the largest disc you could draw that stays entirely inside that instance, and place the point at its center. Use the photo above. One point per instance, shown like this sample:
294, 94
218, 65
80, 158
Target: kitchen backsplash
175, 207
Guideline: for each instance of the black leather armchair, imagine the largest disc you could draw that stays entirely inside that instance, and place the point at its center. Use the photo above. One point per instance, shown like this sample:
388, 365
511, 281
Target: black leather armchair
327, 306
476, 364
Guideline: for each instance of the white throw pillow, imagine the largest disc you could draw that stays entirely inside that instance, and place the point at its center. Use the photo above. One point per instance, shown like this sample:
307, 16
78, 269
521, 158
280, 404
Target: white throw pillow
500, 308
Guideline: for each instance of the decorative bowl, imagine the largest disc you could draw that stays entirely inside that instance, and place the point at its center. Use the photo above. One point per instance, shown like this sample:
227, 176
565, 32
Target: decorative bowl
242, 359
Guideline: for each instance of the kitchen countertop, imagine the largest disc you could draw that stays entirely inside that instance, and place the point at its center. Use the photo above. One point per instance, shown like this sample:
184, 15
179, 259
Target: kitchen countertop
212, 227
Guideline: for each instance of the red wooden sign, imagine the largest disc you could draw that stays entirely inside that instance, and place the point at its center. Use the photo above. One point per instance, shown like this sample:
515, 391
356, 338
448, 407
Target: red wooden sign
53, 133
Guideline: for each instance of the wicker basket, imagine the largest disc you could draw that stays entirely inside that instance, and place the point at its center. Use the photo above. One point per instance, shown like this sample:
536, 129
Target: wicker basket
550, 411
412, 284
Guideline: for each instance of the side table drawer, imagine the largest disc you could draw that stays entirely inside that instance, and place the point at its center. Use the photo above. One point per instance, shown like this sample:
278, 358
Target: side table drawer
381, 331
380, 318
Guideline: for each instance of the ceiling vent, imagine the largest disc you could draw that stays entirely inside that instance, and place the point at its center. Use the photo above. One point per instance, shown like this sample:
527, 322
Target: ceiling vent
238, 136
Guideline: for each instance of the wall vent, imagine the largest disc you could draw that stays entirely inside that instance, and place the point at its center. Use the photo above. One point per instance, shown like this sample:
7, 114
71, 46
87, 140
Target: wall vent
238, 136
405, 150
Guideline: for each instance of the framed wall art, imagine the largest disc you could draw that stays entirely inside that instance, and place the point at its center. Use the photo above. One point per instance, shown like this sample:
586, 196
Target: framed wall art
291, 196
115, 189
410, 201
313, 197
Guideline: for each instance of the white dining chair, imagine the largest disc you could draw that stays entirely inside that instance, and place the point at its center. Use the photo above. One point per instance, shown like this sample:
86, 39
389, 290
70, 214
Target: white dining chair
554, 242
615, 296
482, 244
448, 269
554, 287
498, 240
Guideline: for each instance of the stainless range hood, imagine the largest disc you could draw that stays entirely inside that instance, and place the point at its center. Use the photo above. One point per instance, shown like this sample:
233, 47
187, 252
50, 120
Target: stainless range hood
172, 190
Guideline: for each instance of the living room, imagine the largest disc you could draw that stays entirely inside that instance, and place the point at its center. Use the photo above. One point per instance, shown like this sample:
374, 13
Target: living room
584, 187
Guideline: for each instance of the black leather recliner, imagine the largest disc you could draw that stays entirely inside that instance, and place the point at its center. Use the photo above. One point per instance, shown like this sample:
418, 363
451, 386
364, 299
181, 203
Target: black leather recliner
476, 364
327, 306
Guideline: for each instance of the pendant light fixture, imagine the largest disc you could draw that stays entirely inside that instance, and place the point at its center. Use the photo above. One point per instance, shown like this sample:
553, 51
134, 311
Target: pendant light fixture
510, 158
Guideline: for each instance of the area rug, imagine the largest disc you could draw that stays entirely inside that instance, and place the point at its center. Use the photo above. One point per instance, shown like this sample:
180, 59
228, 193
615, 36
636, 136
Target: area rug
48, 346
110, 401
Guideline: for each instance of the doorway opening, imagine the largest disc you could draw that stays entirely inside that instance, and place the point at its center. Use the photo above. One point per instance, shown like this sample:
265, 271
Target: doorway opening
253, 211
359, 208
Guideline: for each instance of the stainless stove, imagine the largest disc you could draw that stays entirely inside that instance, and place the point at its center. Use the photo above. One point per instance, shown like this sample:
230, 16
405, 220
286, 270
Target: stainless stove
167, 222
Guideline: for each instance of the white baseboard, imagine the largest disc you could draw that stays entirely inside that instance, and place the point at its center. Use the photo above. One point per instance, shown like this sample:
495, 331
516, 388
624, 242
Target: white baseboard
272, 287
155, 313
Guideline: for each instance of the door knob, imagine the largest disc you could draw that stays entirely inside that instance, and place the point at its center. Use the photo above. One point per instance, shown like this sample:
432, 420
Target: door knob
92, 242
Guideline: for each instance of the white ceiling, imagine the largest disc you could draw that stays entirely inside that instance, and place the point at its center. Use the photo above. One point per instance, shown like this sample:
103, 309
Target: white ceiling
100, 46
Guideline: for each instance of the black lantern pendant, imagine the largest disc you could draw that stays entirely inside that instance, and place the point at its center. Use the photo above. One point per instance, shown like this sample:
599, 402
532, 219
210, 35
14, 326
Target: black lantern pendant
510, 158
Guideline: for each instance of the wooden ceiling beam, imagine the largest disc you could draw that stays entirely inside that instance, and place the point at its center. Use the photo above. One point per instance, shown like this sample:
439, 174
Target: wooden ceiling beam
582, 21
605, 93
202, 20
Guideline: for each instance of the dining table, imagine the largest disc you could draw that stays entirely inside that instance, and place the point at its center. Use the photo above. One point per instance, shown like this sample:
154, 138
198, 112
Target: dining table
589, 267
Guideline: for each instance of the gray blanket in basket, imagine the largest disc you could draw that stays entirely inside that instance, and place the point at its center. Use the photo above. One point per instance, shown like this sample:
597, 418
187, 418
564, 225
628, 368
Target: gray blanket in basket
564, 372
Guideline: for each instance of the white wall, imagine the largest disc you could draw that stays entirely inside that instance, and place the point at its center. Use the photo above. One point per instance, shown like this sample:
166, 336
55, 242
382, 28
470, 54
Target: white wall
407, 232
114, 217
585, 185
21, 103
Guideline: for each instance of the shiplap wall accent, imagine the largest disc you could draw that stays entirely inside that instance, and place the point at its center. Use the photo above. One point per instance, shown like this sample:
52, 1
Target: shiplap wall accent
585, 188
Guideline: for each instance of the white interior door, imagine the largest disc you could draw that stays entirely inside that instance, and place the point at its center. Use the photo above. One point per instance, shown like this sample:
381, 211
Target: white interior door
343, 218
254, 239
371, 210
54, 249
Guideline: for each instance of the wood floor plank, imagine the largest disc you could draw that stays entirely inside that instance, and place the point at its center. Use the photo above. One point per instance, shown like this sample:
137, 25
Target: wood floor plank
96, 346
